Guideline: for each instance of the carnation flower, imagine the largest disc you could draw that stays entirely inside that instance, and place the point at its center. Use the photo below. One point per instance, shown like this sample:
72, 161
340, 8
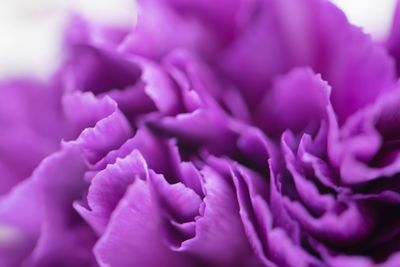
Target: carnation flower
236, 133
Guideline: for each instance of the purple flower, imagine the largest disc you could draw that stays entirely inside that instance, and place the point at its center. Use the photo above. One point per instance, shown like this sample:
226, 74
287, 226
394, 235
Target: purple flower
228, 133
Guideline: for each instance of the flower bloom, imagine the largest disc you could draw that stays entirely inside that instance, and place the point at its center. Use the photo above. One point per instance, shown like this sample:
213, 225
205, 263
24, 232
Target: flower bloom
228, 133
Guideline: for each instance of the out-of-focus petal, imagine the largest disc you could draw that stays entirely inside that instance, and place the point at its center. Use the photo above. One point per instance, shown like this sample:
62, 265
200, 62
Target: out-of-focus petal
221, 17
92, 69
156, 23
32, 125
19, 230
393, 42
368, 148
285, 34
62, 231
80, 30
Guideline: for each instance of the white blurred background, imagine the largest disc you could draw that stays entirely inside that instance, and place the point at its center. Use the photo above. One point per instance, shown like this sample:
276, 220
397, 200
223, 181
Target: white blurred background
31, 30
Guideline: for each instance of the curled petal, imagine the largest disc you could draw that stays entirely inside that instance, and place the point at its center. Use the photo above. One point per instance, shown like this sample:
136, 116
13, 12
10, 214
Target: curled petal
109, 186
271, 244
109, 132
353, 224
227, 244
306, 189
368, 142
136, 216
92, 69
294, 102
201, 128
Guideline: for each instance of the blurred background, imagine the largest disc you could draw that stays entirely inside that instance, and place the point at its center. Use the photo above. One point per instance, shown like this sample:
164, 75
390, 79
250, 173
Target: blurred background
31, 30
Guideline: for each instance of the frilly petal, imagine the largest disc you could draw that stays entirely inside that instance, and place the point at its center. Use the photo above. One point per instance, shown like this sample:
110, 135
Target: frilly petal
270, 243
111, 128
202, 128
136, 216
295, 101
255, 146
227, 244
181, 202
367, 144
109, 186
306, 188
353, 224
285, 34
159, 153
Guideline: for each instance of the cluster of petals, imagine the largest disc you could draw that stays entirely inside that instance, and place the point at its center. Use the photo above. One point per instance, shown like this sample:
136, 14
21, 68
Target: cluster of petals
211, 133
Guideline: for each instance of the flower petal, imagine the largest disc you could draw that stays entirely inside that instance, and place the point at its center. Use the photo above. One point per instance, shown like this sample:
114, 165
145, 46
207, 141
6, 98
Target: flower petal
137, 217
285, 34
109, 186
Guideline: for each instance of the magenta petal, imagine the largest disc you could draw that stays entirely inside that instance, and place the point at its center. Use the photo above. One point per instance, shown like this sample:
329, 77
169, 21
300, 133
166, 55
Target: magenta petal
223, 15
92, 69
306, 188
109, 186
59, 179
23, 105
352, 225
148, 40
136, 216
202, 127
283, 35
159, 153
368, 147
295, 101
239, 133
271, 244
19, 230
181, 202
247, 195
393, 42
110, 132
85, 110
80, 30
255, 146
158, 86
219, 226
